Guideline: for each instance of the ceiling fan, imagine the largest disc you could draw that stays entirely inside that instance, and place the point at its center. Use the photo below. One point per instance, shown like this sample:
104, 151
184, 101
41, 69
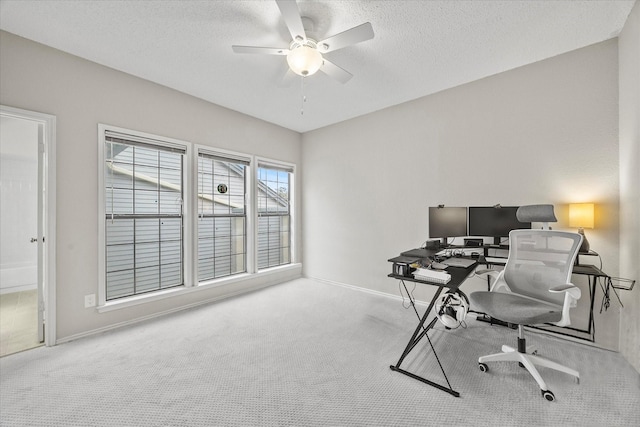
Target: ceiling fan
305, 55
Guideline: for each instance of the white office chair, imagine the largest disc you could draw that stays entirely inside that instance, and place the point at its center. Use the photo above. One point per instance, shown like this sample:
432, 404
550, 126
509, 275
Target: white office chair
533, 288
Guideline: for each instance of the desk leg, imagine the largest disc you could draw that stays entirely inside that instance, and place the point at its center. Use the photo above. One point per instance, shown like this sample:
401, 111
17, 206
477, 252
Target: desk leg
420, 329
421, 332
592, 322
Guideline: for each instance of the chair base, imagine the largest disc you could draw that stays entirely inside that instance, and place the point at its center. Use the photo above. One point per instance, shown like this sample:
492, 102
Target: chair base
529, 361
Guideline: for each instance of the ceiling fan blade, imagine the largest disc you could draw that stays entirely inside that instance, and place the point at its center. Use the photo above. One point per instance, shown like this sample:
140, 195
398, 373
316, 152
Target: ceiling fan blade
347, 38
264, 50
332, 70
291, 15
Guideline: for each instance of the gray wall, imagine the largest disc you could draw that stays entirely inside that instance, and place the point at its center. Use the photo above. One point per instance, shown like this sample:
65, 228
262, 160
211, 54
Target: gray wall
82, 94
543, 133
629, 52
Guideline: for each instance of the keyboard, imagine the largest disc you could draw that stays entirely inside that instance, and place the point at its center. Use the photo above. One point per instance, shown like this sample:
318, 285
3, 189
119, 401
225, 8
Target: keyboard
432, 275
494, 260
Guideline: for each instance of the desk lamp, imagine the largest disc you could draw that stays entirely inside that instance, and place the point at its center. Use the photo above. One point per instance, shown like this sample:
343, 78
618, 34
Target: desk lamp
581, 216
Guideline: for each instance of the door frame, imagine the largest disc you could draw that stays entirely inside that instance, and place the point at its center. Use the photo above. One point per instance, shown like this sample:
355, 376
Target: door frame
46, 238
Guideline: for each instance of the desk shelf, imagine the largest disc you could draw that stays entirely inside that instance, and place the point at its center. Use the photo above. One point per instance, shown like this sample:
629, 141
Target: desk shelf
622, 284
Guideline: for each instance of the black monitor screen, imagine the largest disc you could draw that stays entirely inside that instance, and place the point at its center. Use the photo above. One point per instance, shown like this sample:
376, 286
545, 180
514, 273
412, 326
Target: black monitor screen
447, 222
494, 222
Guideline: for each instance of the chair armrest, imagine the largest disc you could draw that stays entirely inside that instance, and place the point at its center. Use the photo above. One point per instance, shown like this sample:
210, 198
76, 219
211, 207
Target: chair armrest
498, 279
571, 289
571, 295
488, 272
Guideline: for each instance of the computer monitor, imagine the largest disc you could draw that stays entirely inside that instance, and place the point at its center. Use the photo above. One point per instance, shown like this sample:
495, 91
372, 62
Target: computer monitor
445, 222
494, 222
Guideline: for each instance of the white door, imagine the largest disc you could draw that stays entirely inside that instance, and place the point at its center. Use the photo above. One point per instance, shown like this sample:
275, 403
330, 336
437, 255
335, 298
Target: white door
28, 147
40, 230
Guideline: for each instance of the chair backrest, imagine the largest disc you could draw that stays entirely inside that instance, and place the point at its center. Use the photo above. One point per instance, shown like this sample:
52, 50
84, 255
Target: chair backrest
540, 260
537, 213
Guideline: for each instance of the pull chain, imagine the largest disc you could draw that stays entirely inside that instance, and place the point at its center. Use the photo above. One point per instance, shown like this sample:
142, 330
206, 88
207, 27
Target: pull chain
304, 98
111, 172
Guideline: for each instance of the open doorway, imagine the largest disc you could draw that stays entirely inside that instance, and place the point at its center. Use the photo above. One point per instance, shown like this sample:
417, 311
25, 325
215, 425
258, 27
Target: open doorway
26, 291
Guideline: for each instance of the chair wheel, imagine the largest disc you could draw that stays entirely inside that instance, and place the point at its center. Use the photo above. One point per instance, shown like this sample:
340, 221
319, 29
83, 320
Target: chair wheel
548, 395
483, 367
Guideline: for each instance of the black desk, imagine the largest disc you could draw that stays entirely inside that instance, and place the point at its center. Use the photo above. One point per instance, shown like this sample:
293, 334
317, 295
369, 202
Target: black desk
458, 276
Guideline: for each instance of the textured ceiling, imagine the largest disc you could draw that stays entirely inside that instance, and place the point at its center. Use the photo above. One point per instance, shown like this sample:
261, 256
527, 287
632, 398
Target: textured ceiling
419, 48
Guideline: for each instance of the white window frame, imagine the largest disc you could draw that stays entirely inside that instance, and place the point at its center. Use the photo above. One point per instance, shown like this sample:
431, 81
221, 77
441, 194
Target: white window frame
277, 164
187, 216
190, 219
249, 226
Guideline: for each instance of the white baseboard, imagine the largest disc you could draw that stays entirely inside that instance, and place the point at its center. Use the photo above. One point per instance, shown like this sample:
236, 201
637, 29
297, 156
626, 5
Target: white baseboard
19, 288
365, 290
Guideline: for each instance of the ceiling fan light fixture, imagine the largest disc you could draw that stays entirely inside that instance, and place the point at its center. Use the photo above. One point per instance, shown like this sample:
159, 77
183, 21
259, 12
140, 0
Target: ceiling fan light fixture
304, 60
304, 55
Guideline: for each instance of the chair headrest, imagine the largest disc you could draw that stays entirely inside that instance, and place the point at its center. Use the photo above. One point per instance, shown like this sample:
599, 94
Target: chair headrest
536, 213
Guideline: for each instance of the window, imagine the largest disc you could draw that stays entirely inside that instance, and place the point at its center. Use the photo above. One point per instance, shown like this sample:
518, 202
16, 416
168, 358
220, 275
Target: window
144, 228
274, 215
176, 215
222, 220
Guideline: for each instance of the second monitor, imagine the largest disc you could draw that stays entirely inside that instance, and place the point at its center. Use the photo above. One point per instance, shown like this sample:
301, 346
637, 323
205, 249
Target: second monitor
494, 222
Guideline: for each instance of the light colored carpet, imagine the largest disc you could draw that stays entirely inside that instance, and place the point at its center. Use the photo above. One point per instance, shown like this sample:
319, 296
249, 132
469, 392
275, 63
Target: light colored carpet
18, 321
304, 353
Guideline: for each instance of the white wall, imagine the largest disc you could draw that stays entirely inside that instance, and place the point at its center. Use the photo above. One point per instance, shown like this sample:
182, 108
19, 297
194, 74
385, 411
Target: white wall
18, 204
629, 52
82, 94
543, 133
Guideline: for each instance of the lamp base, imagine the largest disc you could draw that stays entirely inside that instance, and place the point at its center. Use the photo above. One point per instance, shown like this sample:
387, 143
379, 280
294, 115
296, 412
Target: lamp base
585, 247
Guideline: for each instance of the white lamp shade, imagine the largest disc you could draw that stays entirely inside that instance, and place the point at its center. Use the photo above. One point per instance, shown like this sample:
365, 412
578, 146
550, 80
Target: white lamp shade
581, 215
304, 60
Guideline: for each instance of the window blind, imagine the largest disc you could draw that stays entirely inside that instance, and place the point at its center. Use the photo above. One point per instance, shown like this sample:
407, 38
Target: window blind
143, 207
120, 138
226, 157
